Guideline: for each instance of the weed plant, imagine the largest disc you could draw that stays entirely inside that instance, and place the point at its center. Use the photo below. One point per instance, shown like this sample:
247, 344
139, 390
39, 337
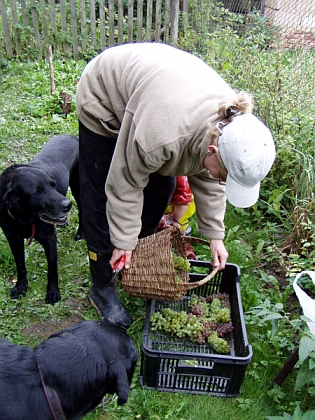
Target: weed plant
245, 51
29, 115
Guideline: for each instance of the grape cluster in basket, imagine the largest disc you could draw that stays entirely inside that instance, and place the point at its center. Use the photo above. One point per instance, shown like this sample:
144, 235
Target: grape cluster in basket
180, 263
207, 320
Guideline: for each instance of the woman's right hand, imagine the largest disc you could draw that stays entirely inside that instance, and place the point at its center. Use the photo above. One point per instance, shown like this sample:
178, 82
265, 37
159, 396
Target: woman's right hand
219, 253
117, 254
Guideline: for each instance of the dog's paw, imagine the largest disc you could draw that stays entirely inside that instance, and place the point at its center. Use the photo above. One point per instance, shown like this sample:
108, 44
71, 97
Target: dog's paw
18, 290
53, 296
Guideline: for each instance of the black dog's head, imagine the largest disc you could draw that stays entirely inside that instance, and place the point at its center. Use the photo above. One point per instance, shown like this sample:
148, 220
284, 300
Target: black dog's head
30, 193
87, 361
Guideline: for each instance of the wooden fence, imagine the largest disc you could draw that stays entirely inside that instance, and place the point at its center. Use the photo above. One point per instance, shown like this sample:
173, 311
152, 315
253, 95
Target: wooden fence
28, 27
79, 28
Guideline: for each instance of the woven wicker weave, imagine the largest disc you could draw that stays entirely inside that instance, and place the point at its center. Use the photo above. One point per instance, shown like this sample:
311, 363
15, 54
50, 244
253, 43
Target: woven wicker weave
152, 275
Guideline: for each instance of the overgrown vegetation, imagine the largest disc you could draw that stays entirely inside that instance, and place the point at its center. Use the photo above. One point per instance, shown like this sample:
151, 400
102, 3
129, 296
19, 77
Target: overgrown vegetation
282, 84
271, 242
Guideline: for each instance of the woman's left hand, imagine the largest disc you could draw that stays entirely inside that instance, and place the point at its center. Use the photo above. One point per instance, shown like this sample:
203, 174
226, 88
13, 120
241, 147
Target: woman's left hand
219, 253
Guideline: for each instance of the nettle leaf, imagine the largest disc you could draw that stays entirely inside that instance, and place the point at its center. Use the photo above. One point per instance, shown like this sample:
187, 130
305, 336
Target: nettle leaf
310, 415
262, 312
272, 316
275, 325
260, 246
304, 376
307, 345
298, 414
311, 391
305, 318
312, 361
285, 416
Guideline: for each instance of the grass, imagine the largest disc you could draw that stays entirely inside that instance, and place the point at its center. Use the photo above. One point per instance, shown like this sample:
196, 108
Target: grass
28, 117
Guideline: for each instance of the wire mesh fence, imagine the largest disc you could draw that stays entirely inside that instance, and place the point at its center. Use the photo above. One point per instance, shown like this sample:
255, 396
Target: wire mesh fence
267, 49
243, 6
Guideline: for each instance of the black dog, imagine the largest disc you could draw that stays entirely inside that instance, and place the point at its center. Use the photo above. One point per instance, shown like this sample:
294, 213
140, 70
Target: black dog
67, 375
33, 200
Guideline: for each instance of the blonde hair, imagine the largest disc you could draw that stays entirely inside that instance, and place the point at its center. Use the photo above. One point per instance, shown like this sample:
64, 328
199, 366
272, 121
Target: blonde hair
227, 111
243, 104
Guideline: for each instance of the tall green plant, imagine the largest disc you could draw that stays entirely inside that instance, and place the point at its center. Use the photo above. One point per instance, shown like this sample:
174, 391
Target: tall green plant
282, 83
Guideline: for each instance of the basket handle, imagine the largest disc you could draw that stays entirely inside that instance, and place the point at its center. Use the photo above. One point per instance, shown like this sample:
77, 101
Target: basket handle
192, 239
191, 286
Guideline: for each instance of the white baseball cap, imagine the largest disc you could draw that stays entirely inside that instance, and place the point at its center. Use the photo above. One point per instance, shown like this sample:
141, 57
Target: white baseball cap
248, 152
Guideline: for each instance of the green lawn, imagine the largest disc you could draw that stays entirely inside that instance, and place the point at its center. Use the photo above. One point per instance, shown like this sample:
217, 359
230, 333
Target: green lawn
29, 115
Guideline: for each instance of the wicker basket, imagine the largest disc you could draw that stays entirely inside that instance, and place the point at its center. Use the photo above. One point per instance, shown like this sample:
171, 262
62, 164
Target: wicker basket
152, 275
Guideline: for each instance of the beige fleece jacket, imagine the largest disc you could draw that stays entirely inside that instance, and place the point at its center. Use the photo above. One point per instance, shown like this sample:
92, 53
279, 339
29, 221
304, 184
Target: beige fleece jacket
157, 101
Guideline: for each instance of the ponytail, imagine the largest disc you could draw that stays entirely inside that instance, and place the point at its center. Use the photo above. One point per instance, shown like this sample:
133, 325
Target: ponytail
243, 104
229, 109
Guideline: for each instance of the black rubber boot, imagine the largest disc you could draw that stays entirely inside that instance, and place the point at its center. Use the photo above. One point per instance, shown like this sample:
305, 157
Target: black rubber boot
103, 295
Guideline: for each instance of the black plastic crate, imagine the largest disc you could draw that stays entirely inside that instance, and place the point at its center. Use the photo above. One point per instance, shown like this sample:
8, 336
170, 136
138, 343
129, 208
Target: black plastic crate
177, 365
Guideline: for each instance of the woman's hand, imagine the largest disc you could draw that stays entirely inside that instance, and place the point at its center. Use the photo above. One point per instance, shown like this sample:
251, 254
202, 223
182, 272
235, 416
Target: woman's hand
219, 253
117, 253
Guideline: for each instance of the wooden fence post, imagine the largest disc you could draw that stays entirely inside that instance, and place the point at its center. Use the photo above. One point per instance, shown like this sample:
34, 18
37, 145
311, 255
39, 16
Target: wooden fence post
53, 21
139, 20
120, 21
42, 5
93, 23
16, 30
51, 70
74, 33
102, 25
167, 23
36, 29
185, 15
149, 20
28, 41
7, 42
157, 20
174, 27
83, 25
111, 16
64, 26
130, 20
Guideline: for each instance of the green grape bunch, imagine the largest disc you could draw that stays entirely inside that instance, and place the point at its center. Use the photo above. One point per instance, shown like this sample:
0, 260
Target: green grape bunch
207, 321
180, 263
219, 344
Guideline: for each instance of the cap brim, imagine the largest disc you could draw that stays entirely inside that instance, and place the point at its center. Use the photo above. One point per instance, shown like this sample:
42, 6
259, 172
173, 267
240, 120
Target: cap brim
239, 196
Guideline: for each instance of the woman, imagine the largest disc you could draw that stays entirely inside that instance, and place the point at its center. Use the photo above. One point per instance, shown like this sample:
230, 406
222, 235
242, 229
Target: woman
148, 113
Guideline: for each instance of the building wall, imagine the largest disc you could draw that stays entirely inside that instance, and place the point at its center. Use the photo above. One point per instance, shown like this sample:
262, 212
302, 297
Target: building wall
296, 20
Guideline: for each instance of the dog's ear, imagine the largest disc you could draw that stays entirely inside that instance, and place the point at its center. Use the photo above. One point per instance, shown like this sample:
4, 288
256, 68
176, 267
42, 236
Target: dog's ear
11, 198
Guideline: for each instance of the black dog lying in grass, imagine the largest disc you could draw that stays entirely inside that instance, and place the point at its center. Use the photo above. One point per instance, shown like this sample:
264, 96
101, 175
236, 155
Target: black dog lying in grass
33, 200
67, 375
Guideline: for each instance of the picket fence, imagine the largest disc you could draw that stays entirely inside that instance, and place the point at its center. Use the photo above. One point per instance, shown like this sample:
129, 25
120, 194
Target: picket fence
28, 27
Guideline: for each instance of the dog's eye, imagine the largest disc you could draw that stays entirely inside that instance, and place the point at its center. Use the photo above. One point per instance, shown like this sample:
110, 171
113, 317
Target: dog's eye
53, 184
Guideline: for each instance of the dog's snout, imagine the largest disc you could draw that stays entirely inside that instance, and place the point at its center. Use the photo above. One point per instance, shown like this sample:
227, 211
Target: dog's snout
66, 205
